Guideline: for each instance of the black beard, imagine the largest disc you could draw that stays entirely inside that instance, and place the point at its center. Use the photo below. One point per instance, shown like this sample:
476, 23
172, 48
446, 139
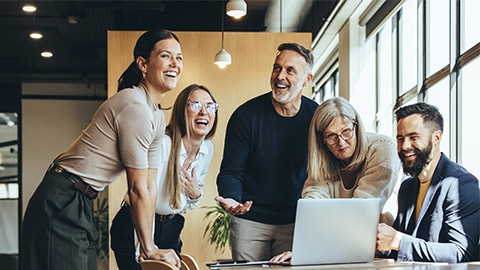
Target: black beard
422, 160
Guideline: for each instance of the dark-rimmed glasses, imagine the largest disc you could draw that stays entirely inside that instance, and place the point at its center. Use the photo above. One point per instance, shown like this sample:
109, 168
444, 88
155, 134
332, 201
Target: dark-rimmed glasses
197, 106
346, 135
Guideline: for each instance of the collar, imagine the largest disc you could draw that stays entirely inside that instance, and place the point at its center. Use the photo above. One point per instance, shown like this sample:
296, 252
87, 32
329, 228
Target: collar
149, 97
203, 149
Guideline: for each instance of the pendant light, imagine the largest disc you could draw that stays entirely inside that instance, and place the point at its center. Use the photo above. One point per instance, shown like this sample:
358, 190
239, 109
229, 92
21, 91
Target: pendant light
223, 58
236, 8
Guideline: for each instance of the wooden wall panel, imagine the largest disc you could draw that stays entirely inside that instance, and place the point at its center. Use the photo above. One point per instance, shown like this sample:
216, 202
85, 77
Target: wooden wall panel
248, 76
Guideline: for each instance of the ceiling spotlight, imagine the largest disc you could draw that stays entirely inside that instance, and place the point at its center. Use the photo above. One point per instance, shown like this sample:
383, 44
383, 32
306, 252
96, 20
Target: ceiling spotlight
36, 35
29, 8
46, 54
236, 8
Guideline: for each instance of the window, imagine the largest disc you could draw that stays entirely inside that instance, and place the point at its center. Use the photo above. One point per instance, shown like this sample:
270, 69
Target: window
441, 78
385, 92
408, 47
8, 156
469, 24
328, 89
437, 36
9, 191
469, 131
439, 95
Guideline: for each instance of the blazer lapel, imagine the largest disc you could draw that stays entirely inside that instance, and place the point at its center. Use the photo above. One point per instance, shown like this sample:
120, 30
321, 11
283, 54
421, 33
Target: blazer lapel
411, 205
432, 189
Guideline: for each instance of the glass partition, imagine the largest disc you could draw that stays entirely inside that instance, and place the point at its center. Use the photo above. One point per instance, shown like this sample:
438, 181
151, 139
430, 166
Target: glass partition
9, 191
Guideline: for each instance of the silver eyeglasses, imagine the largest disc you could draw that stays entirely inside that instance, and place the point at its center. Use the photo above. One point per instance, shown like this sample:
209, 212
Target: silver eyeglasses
346, 135
197, 106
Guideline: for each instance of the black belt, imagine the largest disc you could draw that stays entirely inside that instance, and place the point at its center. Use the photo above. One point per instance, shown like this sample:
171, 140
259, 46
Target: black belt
77, 182
163, 218
158, 217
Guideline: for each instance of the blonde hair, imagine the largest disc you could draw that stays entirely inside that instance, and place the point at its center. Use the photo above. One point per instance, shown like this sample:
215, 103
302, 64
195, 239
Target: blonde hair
322, 164
176, 130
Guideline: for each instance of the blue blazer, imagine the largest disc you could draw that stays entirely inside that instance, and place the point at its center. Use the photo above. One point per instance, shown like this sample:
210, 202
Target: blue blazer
447, 228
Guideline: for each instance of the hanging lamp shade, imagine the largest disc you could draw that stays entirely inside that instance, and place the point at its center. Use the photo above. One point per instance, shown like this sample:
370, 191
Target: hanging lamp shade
223, 59
236, 8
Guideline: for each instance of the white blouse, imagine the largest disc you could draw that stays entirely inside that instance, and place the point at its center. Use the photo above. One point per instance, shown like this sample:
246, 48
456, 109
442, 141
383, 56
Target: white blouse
201, 164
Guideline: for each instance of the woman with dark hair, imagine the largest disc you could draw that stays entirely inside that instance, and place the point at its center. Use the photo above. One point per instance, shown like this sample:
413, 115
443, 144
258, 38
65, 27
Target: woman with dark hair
185, 156
123, 136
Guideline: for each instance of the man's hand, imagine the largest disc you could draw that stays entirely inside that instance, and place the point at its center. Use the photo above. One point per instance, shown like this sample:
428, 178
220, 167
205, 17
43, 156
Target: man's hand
387, 238
190, 184
285, 256
167, 255
233, 207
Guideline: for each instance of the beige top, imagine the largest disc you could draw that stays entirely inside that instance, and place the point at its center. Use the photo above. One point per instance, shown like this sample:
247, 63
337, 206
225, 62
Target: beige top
124, 132
376, 180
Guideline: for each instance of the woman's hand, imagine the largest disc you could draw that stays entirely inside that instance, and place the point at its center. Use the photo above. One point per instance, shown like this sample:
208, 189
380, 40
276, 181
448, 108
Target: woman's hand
166, 255
190, 184
285, 256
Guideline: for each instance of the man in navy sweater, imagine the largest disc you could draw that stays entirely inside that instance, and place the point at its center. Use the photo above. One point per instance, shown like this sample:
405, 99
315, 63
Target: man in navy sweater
264, 162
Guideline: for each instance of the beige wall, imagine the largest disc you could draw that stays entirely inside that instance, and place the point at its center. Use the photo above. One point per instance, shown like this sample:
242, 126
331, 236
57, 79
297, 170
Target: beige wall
48, 128
248, 76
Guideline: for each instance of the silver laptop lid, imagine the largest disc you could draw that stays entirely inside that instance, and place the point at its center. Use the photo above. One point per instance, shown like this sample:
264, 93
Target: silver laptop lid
335, 231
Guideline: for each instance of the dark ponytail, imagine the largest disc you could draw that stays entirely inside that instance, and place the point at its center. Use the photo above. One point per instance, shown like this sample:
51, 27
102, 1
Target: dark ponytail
132, 76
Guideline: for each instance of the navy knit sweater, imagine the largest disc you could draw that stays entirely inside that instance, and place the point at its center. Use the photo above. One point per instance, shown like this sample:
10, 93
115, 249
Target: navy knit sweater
265, 159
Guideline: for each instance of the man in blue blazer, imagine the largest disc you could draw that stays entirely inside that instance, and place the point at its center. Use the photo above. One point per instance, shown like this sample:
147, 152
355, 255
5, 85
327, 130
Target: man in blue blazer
439, 206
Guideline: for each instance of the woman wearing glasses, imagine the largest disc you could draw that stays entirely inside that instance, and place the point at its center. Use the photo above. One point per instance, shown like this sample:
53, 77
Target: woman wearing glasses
344, 161
186, 152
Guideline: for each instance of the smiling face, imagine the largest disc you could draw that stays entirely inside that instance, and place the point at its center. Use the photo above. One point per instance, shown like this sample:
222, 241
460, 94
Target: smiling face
290, 75
200, 122
342, 149
163, 68
414, 143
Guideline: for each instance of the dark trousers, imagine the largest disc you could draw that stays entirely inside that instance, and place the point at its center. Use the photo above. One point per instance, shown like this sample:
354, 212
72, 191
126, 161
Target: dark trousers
58, 231
167, 235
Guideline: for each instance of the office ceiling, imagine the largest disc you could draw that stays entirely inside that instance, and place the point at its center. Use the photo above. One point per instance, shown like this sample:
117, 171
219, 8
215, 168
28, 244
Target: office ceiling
75, 31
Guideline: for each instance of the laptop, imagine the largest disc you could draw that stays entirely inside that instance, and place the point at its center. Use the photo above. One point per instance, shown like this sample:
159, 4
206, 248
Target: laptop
329, 231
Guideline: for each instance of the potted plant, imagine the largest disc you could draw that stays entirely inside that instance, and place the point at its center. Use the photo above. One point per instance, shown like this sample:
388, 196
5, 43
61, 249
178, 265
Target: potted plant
218, 227
100, 218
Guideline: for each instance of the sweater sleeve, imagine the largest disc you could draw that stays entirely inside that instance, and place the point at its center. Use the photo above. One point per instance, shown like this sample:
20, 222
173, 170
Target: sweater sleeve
380, 170
235, 154
317, 189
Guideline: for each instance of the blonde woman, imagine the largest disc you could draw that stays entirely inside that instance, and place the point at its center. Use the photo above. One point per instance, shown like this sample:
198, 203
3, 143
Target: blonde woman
344, 161
186, 152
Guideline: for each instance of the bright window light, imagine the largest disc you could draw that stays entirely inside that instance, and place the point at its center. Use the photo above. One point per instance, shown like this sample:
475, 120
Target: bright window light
13, 191
3, 191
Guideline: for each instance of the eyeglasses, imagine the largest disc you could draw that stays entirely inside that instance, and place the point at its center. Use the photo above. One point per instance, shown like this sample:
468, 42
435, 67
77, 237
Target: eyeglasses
197, 106
346, 135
